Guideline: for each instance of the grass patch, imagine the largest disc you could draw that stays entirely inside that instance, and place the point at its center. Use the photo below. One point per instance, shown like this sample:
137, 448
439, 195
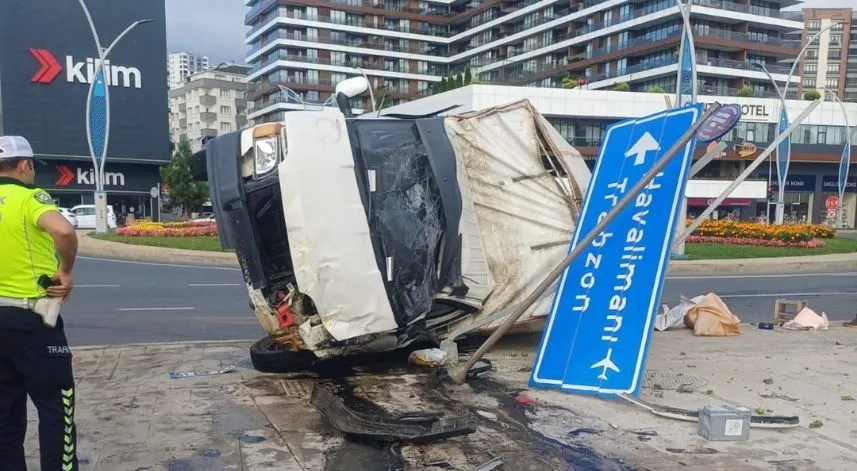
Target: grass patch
209, 244
725, 252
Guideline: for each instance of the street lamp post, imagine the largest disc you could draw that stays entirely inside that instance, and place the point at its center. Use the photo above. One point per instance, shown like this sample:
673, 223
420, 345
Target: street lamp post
98, 115
787, 142
785, 148
845, 162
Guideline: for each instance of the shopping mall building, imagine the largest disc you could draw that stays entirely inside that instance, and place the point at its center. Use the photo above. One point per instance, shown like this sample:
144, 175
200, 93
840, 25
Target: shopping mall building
47, 61
581, 116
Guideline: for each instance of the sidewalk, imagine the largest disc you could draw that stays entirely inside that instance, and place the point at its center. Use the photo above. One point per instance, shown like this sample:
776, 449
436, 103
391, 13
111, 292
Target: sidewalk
132, 416
101, 248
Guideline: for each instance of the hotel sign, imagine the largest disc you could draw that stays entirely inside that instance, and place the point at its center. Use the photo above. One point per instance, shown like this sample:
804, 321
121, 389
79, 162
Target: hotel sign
750, 112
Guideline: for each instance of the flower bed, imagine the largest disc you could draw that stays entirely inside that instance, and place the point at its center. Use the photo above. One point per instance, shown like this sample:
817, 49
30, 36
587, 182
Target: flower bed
756, 231
806, 244
170, 229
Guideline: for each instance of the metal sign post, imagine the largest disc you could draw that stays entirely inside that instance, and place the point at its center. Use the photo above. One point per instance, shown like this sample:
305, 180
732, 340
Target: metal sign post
458, 375
761, 158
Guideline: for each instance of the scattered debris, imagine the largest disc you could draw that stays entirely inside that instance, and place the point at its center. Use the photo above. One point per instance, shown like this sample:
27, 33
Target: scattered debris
414, 430
847, 397
486, 415
807, 319
709, 392
432, 357
479, 368
189, 374
768, 380
816, 424
695, 451
644, 435
766, 325
837, 343
490, 465
526, 402
775, 395
210, 453
579, 431
710, 317
760, 410
251, 438
767, 421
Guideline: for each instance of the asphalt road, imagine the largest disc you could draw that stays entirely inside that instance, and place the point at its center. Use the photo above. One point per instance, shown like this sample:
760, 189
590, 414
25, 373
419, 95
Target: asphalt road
119, 302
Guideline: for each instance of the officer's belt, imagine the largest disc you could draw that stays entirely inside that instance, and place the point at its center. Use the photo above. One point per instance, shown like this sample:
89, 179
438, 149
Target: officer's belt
19, 303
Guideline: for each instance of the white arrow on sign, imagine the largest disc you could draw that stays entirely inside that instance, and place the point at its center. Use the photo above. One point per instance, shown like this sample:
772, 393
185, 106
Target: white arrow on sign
645, 144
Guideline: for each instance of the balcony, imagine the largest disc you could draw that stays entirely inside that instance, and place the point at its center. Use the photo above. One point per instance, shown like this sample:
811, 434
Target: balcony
207, 100
207, 117
257, 10
378, 45
353, 63
426, 30
208, 132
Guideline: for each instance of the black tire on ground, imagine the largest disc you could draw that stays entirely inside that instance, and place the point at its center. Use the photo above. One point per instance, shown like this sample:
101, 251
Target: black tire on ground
268, 356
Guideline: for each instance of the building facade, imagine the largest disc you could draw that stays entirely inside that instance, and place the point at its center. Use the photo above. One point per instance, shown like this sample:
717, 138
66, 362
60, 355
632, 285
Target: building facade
47, 54
581, 116
181, 65
831, 61
405, 47
208, 104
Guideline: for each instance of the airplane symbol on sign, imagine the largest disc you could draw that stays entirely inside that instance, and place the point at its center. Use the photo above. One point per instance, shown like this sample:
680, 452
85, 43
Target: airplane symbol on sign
645, 144
606, 364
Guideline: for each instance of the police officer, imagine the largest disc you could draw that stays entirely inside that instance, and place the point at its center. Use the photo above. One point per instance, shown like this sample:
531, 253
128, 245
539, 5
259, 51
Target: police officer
38, 247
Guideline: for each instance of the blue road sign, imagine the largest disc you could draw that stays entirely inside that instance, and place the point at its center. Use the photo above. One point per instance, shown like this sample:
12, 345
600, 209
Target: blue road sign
597, 335
784, 149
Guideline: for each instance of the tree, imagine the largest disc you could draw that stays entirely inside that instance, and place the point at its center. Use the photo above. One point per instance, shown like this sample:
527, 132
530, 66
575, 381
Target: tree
656, 90
811, 95
459, 81
444, 84
622, 87
468, 76
569, 82
745, 92
184, 191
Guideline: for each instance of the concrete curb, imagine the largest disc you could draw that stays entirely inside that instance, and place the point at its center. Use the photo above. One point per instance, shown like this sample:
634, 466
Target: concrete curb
107, 249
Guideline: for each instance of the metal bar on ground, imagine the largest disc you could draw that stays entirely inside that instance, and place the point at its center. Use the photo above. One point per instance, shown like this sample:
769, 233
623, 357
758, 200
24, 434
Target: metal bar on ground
459, 374
761, 158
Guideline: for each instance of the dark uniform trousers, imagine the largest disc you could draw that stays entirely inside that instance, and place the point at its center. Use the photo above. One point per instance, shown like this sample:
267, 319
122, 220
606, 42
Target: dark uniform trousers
35, 360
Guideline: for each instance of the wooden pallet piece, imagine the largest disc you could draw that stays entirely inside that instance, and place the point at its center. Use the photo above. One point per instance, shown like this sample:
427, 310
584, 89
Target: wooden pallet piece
786, 310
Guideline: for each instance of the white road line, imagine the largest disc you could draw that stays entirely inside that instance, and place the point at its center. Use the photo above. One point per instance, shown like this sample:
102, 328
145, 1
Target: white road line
96, 286
781, 275
156, 309
134, 262
204, 285
782, 295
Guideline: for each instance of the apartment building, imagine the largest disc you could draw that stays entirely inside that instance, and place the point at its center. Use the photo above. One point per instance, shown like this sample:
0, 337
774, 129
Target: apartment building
210, 103
406, 46
181, 65
831, 61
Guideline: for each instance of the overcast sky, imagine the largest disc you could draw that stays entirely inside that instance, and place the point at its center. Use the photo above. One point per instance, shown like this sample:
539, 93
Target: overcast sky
215, 28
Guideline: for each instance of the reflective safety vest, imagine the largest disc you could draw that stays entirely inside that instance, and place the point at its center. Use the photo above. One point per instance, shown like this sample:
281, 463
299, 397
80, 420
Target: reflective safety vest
26, 251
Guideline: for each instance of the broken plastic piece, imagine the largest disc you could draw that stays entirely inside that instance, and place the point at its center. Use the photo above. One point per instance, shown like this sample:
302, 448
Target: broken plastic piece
807, 319
480, 368
431, 357
490, 465
414, 429
284, 315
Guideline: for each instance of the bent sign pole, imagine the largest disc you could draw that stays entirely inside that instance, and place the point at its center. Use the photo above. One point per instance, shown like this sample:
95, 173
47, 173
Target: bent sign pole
458, 375
98, 116
761, 158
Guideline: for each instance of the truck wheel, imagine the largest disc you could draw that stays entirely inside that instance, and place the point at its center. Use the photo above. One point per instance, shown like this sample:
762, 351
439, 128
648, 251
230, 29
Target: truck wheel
270, 357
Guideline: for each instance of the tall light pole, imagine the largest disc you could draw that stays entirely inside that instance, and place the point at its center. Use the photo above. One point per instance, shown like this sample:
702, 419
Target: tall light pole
785, 148
782, 96
845, 162
686, 93
98, 115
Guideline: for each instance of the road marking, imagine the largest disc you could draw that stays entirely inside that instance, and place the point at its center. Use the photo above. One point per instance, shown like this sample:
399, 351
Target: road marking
738, 277
96, 286
134, 262
156, 309
782, 295
203, 285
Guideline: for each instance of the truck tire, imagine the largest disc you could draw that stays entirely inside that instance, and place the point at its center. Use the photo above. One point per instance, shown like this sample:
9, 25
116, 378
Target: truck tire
268, 356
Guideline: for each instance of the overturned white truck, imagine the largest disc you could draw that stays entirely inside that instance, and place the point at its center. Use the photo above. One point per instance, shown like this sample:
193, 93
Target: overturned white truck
372, 233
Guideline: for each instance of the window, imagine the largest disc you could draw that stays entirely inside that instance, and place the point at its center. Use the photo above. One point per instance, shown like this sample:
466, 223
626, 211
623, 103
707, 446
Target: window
225, 93
813, 25
226, 127
832, 83
837, 26
312, 34
810, 68
337, 77
312, 54
834, 54
225, 110
808, 82
835, 39
833, 68
337, 16
312, 13
337, 58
